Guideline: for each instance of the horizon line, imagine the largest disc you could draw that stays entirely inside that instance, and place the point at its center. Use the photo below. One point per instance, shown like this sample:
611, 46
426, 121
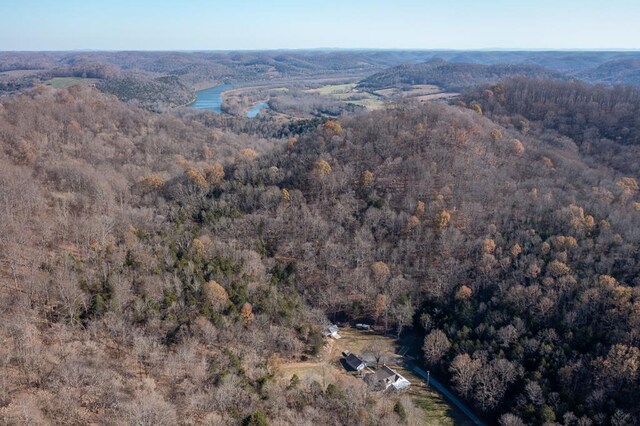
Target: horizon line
406, 49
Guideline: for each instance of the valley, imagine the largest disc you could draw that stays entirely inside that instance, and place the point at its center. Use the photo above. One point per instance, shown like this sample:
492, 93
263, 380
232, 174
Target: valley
180, 229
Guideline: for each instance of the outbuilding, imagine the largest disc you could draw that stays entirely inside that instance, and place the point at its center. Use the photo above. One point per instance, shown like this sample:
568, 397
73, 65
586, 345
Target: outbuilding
354, 362
331, 331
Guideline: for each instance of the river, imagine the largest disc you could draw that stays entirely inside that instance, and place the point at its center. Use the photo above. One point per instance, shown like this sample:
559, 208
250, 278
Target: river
210, 99
253, 112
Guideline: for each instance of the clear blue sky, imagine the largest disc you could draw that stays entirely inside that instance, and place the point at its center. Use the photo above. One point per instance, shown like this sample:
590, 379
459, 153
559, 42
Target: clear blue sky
270, 24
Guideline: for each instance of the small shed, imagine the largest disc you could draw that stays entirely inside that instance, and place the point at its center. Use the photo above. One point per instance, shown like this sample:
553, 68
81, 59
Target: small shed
331, 331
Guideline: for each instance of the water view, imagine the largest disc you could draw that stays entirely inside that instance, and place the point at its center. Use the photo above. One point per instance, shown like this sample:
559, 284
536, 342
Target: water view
253, 112
210, 99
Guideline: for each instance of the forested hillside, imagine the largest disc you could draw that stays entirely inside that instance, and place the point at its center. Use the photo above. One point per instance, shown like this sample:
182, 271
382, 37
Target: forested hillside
161, 267
452, 75
603, 122
619, 71
151, 93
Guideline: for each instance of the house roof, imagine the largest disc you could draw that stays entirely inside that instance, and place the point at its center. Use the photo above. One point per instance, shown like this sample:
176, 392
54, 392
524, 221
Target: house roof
333, 328
383, 374
354, 361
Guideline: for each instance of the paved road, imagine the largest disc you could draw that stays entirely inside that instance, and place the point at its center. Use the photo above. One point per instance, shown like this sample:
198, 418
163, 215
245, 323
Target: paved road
443, 390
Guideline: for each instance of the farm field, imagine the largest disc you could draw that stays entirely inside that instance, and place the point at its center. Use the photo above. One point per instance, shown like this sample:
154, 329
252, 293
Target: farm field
348, 93
335, 89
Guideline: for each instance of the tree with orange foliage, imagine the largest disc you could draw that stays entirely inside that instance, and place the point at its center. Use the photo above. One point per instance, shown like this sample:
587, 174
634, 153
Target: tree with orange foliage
442, 220
248, 154
366, 179
321, 168
246, 311
380, 271
196, 178
286, 196
517, 147
333, 127
153, 182
216, 295
463, 293
214, 173
412, 223
496, 135
198, 247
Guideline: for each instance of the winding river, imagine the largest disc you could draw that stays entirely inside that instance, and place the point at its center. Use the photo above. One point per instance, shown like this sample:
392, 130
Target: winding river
210, 99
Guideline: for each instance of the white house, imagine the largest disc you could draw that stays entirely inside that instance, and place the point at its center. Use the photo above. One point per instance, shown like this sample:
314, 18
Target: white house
386, 378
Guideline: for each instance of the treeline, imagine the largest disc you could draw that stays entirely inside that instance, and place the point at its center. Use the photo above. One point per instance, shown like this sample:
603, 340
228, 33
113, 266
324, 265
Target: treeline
617, 71
452, 76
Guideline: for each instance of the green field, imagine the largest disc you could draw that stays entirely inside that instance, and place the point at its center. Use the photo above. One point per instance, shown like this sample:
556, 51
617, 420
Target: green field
348, 93
64, 82
334, 89
371, 103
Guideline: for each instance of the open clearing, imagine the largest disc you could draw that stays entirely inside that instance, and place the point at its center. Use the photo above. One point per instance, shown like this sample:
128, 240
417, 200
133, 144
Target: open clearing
64, 82
416, 90
327, 369
348, 94
436, 96
18, 73
334, 89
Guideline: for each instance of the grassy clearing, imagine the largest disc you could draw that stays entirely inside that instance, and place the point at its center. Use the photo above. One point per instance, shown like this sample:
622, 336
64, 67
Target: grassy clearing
64, 82
18, 73
413, 91
371, 103
333, 89
348, 94
436, 96
326, 369
436, 409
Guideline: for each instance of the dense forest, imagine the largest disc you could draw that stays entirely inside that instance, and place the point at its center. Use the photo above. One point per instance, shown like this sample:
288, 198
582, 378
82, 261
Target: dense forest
604, 122
159, 268
151, 93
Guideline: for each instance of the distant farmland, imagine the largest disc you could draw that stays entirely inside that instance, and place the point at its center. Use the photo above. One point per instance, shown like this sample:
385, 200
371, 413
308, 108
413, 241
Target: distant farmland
64, 82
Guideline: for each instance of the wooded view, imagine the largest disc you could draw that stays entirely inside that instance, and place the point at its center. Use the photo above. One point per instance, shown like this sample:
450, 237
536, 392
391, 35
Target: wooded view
320, 237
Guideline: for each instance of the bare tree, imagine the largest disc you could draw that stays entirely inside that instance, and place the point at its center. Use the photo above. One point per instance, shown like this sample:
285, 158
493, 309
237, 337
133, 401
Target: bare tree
435, 347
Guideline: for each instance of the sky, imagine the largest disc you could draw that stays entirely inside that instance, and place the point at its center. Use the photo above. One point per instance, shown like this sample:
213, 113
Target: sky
299, 24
